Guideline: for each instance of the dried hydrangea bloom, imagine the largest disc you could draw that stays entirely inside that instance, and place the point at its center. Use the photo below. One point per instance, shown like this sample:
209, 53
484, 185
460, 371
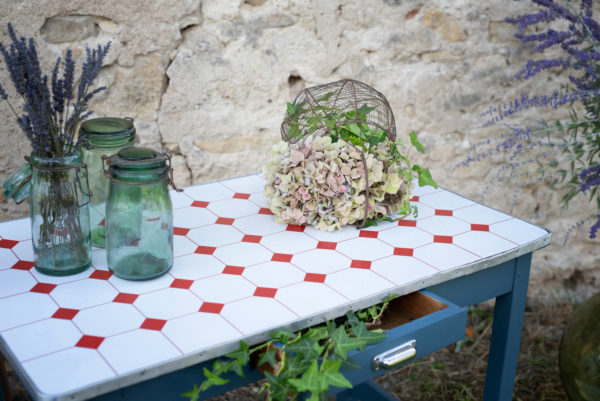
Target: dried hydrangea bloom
322, 184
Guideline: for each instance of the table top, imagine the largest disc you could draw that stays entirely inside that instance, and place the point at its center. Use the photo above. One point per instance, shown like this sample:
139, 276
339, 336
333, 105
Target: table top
237, 275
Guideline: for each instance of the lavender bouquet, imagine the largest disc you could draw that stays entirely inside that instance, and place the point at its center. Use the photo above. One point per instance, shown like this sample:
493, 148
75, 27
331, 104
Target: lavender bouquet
51, 110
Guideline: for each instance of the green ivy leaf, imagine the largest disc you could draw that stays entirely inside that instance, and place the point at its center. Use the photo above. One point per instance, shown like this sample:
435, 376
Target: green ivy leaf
270, 357
306, 347
344, 343
294, 367
278, 390
310, 380
192, 395
425, 177
369, 336
415, 142
331, 376
211, 380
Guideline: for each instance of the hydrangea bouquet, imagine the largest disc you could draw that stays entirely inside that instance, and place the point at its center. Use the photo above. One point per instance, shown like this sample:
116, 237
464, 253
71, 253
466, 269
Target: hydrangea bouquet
339, 169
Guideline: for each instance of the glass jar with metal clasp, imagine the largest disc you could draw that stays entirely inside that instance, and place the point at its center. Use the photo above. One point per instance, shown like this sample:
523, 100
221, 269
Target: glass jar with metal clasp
101, 136
139, 214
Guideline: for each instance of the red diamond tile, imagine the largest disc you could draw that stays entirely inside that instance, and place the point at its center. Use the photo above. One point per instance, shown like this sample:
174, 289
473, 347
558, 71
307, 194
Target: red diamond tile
252, 238
65, 313
92, 342
281, 257
239, 195
295, 227
102, 223
101, 274
264, 210
236, 270
265, 292
153, 324
407, 223
414, 199
441, 212
7, 243
225, 221
480, 227
180, 231
403, 251
206, 250
368, 234
23, 265
181, 283
326, 245
199, 204
315, 277
361, 264
211, 307
125, 298
443, 239
43, 288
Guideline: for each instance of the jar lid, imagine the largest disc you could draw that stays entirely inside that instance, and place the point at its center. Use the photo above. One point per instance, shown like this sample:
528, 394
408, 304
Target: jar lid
134, 154
138, 163
108, 131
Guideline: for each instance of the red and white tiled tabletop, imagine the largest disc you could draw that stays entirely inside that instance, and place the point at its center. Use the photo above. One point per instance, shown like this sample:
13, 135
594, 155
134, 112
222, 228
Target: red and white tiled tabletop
237, 275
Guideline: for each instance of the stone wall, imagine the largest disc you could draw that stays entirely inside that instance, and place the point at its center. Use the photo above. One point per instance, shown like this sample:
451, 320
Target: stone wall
208, 80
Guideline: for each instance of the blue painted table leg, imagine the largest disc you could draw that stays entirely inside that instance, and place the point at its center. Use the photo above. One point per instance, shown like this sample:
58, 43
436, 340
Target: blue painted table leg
367, 391
506, 335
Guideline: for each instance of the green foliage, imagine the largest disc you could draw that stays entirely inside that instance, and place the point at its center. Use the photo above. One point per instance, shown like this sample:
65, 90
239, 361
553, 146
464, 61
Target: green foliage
308, 361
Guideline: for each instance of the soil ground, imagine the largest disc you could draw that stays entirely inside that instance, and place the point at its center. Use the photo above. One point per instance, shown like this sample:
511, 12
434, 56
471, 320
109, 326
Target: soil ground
457, 372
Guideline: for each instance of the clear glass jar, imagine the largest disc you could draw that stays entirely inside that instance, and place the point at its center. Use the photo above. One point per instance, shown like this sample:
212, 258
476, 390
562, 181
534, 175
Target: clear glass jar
60, 219
103, 136
139, 214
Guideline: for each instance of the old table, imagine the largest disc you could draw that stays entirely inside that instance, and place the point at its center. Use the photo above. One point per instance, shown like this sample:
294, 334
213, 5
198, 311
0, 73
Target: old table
239, 275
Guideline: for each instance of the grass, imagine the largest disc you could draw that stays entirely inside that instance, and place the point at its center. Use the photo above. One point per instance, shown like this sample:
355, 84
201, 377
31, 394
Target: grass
457, 372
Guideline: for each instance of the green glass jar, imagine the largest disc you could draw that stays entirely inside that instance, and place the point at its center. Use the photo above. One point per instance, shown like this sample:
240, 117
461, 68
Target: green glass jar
139, 214
103, 136
60, 219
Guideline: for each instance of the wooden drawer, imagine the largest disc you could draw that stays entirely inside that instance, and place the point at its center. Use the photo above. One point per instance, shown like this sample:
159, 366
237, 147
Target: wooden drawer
421, 319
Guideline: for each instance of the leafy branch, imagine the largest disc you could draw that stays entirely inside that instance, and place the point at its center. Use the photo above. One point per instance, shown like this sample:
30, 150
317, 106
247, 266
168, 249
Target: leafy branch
308, 361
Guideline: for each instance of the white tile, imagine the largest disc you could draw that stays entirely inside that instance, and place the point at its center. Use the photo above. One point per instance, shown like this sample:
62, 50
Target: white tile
195, 266
84, 293
191, 217
423, 211
215, 235
518, 231
209, 192
15, 281
402, 269
290, 242
321, 261
41, 338
182, 246
273, 274
24, 250
381, 225
258, 224
443, 225
44, 278
223, 288
99, 259
259, 198
25, 308
137, 350
7, 258
445, 200
257, 314
16, 230
308, 298
405, 237
357, 283
479, 214
444, 256
416, 190
140, 286
483, 243
233, 208
108, 319
243, 254
365, 249
167, 303
68, 370
209, 329
180, 199
345, 233
248, 185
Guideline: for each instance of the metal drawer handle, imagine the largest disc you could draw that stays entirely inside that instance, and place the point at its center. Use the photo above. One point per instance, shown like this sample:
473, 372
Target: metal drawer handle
395, 356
